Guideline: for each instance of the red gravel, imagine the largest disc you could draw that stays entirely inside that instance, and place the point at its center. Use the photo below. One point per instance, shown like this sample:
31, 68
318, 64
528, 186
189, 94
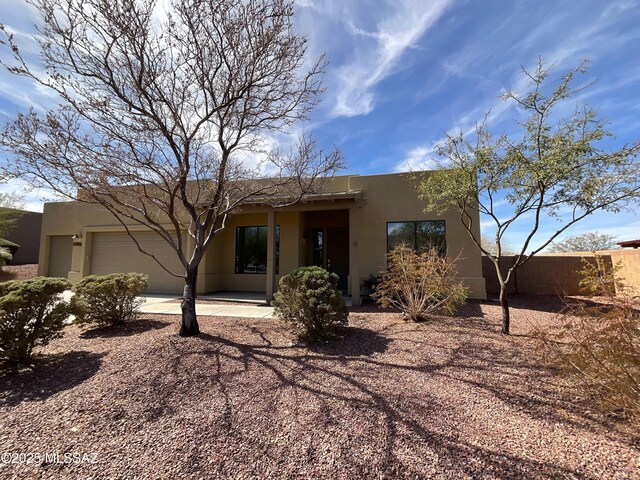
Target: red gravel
447, 399
18, 272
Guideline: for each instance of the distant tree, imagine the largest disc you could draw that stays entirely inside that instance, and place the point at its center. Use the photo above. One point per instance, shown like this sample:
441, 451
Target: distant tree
553, 166
490, 245
162, 116
10, 205
585, 242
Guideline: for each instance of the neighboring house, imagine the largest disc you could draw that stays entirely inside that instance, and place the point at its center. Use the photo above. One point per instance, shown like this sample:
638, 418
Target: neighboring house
26, 233
347, 228
630, 244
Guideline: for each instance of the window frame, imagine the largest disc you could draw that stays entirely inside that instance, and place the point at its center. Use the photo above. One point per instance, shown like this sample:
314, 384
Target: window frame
238, 271
414, 247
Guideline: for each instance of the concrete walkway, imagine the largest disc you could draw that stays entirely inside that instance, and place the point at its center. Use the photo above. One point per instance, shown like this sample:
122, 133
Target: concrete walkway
168, 305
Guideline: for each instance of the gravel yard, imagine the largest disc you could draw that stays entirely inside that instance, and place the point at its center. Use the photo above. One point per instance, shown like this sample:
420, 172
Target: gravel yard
448, 399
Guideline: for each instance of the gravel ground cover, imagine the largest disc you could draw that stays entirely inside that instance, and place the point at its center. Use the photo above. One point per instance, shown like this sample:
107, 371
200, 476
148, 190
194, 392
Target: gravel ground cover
447, 399
18, 272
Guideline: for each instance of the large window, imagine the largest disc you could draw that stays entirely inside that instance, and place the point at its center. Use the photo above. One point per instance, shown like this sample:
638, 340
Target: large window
251, 249
417, 235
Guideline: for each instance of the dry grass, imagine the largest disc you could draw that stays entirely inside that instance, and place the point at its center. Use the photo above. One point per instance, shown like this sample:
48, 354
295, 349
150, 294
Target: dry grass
446, 399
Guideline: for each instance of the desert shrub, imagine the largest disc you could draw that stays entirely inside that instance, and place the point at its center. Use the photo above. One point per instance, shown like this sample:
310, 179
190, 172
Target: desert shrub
32, 313
5, 256
11, 246
309, 299
7, 251
599, 277
419, 284
599, 342
108, 299
369, 286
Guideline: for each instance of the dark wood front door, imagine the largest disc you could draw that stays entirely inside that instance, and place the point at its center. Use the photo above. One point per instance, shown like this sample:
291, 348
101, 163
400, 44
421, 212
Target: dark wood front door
338, 253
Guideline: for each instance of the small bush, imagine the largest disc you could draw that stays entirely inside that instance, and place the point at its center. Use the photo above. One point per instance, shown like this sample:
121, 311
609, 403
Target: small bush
5, 256
419, 285
309, 298
599, 342
369, 285
12, 247
108, 299
32, 313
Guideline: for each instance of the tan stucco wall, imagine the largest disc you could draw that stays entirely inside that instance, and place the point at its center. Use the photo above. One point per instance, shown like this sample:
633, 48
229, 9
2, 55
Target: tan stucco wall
385, 198
392, 198
220, 258
559, 273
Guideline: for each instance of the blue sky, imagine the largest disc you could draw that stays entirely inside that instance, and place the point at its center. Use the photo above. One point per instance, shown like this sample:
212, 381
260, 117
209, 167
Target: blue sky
403, 72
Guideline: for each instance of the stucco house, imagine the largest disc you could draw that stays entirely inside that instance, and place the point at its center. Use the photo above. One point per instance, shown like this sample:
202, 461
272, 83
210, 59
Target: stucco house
347, 228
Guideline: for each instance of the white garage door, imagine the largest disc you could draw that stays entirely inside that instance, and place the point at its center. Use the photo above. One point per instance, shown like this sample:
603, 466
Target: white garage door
117, 253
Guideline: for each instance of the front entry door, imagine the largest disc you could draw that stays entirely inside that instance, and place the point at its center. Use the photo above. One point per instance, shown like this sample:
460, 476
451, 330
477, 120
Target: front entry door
338, 253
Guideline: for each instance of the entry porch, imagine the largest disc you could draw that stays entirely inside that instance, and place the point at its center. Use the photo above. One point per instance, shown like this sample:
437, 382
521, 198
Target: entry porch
257, 247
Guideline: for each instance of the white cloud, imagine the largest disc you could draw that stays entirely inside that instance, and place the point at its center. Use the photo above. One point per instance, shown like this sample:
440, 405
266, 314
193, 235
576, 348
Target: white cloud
384, 47
422, 157
33, 198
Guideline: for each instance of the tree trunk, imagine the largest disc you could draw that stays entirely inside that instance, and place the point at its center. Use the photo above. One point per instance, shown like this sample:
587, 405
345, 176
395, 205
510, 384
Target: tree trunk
505, 308
189, 322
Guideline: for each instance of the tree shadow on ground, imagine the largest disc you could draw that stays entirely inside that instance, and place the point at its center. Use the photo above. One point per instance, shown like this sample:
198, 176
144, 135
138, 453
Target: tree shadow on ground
49, 375
350, 363
540, 303
126, 329
472, 308
356, 342
455, 452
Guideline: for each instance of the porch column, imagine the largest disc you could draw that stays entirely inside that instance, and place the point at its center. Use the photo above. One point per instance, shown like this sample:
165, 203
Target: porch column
271, 253
354, 262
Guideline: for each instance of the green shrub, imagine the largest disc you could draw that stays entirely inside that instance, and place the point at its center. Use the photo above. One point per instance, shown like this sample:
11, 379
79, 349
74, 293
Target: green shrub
32, 313
7, 251
5, 256
108, 299
419, 285
12, 247
369, 285
309, 299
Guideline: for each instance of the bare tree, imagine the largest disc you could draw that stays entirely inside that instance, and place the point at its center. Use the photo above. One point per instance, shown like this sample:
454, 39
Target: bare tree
556, 169
163, 115
489, 244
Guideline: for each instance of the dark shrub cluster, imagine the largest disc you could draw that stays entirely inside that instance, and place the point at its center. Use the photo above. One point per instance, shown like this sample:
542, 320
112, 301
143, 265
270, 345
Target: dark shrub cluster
108, 299
7, 251
309, 299
32, 313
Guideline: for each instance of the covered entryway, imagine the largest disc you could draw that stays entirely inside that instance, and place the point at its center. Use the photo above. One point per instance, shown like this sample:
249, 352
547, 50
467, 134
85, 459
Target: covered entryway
328, 248
117, 253
338, 254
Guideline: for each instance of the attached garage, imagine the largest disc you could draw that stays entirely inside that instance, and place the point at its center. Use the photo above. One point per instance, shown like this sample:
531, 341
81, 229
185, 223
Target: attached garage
117, 253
